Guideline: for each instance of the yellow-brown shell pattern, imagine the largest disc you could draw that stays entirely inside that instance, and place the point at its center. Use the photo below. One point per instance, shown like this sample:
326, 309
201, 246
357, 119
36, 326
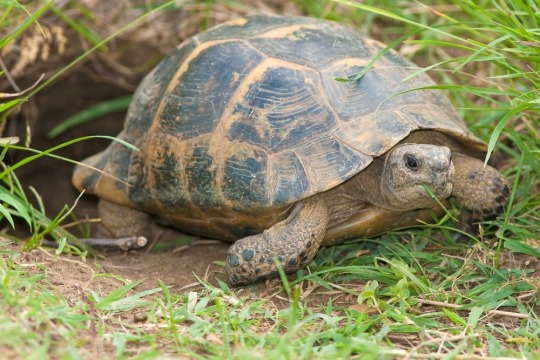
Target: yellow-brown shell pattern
245, 119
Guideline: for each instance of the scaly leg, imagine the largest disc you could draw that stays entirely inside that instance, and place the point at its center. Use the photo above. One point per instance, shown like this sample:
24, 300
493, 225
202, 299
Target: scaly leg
120, 221
293, 242
480, 191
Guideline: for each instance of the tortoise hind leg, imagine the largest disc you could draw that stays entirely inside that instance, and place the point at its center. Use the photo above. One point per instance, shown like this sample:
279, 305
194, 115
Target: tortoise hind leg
121, 221
480, 191
293, 241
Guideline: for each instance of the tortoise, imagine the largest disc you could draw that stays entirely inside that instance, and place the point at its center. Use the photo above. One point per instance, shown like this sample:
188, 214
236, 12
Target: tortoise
244, 134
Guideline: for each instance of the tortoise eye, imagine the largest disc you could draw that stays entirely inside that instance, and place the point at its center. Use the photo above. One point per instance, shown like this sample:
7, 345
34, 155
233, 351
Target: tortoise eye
412, 163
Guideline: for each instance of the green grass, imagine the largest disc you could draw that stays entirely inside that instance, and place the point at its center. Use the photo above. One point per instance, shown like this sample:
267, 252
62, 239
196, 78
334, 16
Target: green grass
429, 293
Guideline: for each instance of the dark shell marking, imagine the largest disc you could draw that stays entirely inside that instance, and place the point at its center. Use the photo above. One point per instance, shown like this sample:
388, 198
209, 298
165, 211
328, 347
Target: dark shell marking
242, 121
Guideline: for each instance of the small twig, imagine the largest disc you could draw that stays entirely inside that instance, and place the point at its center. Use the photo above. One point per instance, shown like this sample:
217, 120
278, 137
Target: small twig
12, 95
527, 295
8, 75
125, 243
458, 307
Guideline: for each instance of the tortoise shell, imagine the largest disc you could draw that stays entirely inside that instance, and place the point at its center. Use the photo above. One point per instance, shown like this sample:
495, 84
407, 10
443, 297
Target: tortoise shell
243, 120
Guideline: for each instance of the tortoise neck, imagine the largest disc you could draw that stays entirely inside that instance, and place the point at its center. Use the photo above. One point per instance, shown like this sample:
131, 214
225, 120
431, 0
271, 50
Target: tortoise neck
366, 185
351, 196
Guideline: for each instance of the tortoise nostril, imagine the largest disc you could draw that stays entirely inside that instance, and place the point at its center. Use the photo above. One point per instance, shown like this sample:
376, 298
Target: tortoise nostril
442, 166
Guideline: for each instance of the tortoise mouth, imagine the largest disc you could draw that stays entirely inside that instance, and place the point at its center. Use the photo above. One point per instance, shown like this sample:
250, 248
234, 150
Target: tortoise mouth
443, 181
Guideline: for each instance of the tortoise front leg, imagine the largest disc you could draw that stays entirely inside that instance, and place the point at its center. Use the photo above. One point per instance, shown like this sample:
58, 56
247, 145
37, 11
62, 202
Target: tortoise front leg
480, 190
293, 242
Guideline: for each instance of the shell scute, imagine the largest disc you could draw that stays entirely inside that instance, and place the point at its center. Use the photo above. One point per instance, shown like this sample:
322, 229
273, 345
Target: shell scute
147, 98
280, 110
155, 175
203, 88
379, 89
249, 27
313, 45
201, 175
245, 179
320, 165
290, 177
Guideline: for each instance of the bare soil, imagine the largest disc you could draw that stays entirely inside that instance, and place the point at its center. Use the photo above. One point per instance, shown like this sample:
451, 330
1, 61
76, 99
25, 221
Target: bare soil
177, 269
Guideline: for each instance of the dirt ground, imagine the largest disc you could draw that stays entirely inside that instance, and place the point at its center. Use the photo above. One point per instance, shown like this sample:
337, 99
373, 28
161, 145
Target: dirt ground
180, 268
174, 268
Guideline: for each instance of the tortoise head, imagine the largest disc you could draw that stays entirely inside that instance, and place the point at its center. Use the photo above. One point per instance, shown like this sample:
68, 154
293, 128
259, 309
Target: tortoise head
411, 168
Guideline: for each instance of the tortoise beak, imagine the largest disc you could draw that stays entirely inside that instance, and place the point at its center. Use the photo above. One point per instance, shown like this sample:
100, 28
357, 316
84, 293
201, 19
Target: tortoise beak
443, 175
